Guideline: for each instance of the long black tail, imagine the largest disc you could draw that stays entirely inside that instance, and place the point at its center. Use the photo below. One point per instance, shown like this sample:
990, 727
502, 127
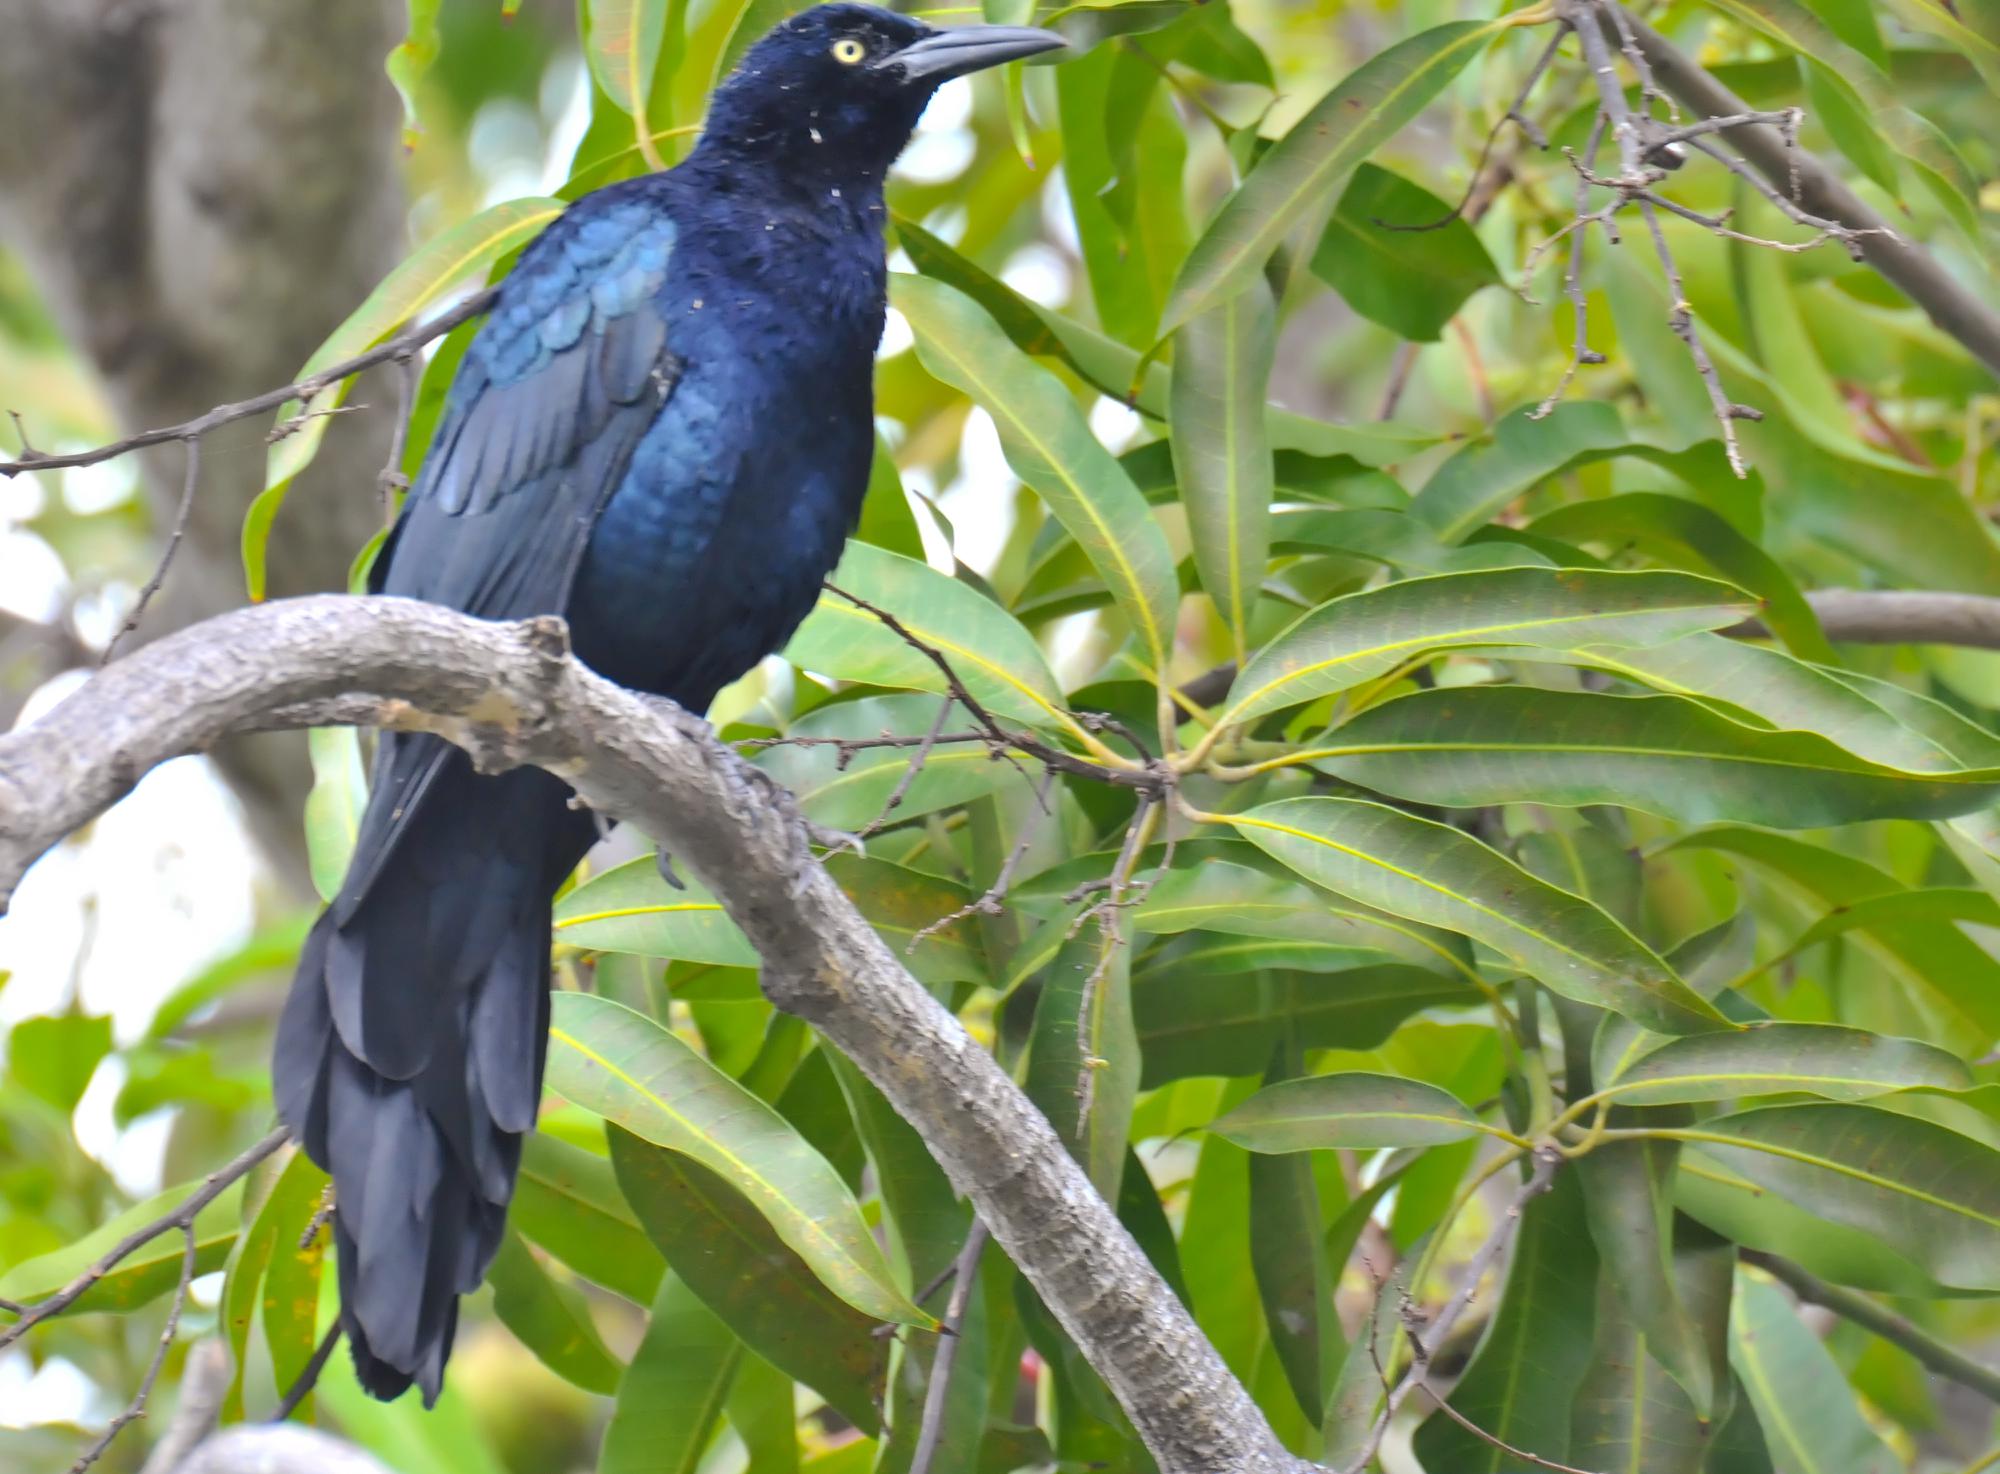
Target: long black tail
409, 1058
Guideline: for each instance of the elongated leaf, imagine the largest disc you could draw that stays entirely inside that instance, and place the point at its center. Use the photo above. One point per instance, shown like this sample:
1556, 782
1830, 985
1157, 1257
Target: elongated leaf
1050, 447
550, 1319
1360, 636
996, 658
725, 1251
1350, 1109
291, 1285
622, 44
567, 1201
1083, 1060
1494, 468
1191, 1022
1822, 1059
673, 1392
411, 59
1439, 876
150, 1270
1466, 747
1803, 1401
626, 1068
1627, 1188
1221, 456
1305, 167
1930, 1192
632, 909
1629, 1414
333, 808
1294, 1280
1934, 17
1536, 1350
447, 260
1411, 281
55, 1057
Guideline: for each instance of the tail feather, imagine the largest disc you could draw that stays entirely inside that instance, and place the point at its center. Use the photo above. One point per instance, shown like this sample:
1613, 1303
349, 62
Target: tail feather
409, 1058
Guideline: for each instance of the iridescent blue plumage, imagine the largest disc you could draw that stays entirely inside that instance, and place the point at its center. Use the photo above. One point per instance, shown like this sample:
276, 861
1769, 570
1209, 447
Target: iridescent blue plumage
662, 431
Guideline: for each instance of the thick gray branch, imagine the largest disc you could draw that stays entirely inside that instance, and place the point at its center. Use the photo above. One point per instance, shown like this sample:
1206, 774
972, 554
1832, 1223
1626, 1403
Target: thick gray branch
510, 694
1952, 305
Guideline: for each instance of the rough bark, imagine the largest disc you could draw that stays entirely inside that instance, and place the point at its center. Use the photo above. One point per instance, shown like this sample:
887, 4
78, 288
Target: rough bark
202, 191
510, 694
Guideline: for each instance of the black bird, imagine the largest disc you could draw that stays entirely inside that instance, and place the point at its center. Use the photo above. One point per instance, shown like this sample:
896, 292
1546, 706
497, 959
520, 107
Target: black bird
662, 432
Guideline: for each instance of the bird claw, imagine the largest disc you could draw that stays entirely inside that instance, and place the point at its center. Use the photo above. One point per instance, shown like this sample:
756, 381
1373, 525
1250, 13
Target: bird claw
665, 864
836, 839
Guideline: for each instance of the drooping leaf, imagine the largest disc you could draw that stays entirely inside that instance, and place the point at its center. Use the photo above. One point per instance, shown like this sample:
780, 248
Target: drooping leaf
550, 1319
1441, 876
1083, 1059
1821, 1059
634, 1073
996, 658
622, 45
1349, 1109
1804, 1403
149, 1271
1490, 470
333, 808
1050, 446
1359, 636
1411, 281
673, 1391
1305, 167
53, 1058
410, 59
725, 1251
1221, 456
447, 260
1470, 746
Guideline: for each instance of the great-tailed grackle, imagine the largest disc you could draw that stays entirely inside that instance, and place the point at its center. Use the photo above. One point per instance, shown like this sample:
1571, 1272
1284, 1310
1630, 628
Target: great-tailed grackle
662, 431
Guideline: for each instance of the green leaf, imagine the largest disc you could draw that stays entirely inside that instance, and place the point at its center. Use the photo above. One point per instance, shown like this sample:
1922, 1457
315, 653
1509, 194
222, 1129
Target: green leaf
1470, 746
1360, 636
1490, 470
632, 909
53, 1058
291, 1295
1294, 1280
755, 18
620, 1064
150, 1270
1088, 26
293, 1195
1536, 1350
1629, 1414
447, 260
760, 1407
1049, 445
1440, 876
1673, 525
1626, 1191
1767, 1059
673, 1391
725, 1251
550, 1319
1083, 1058
998, 660
1309, 163
1222, 459
1350, 1109
1192, 1023
1936, 19
1807, 1410
1411, 281
1930, 1192
411, 59
567, 1201
622, 43
333, 807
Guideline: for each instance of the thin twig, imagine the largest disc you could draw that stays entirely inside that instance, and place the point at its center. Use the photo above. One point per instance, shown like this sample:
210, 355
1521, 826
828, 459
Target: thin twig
227, 414
990, 903
308, 1377
391, 480
1111, 938
910, 771
965, 1268
190, 476
182, 1217
136, 1409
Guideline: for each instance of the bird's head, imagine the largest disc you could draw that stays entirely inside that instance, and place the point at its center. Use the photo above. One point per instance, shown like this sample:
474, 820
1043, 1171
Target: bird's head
836, 90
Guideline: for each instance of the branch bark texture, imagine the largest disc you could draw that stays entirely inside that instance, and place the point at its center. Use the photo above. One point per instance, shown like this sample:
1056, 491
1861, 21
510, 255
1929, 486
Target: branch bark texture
510, 694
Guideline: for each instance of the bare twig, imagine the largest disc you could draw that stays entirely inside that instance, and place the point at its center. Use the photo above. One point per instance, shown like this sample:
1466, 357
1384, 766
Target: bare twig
1444, 1406
990, 903
964, 1269
227, 414
182, 1218
390, 480
308, 1377
915, 766
136, 1409
190, 477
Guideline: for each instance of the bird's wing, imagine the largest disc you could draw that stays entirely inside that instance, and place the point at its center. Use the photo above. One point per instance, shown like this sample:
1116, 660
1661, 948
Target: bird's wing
555, 390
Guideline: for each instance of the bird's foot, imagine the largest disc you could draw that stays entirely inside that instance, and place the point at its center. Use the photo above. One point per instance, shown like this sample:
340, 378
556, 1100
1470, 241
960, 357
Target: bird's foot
604, 825
835, 839
665, 862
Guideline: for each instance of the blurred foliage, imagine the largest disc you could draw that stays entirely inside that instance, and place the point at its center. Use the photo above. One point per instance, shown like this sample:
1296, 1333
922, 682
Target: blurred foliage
1492, 837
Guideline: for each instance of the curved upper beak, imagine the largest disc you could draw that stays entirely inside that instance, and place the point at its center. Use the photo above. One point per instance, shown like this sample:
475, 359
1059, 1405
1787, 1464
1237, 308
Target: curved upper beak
965, 49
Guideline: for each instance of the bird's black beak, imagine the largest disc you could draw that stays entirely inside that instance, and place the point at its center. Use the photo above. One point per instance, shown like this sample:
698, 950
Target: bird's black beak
953, 53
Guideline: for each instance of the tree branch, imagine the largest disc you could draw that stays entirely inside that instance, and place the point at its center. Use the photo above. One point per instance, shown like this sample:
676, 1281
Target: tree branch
1819, 191
510, 694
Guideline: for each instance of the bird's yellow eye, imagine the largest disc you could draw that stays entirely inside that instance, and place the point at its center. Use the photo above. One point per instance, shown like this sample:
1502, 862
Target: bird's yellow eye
847, 51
